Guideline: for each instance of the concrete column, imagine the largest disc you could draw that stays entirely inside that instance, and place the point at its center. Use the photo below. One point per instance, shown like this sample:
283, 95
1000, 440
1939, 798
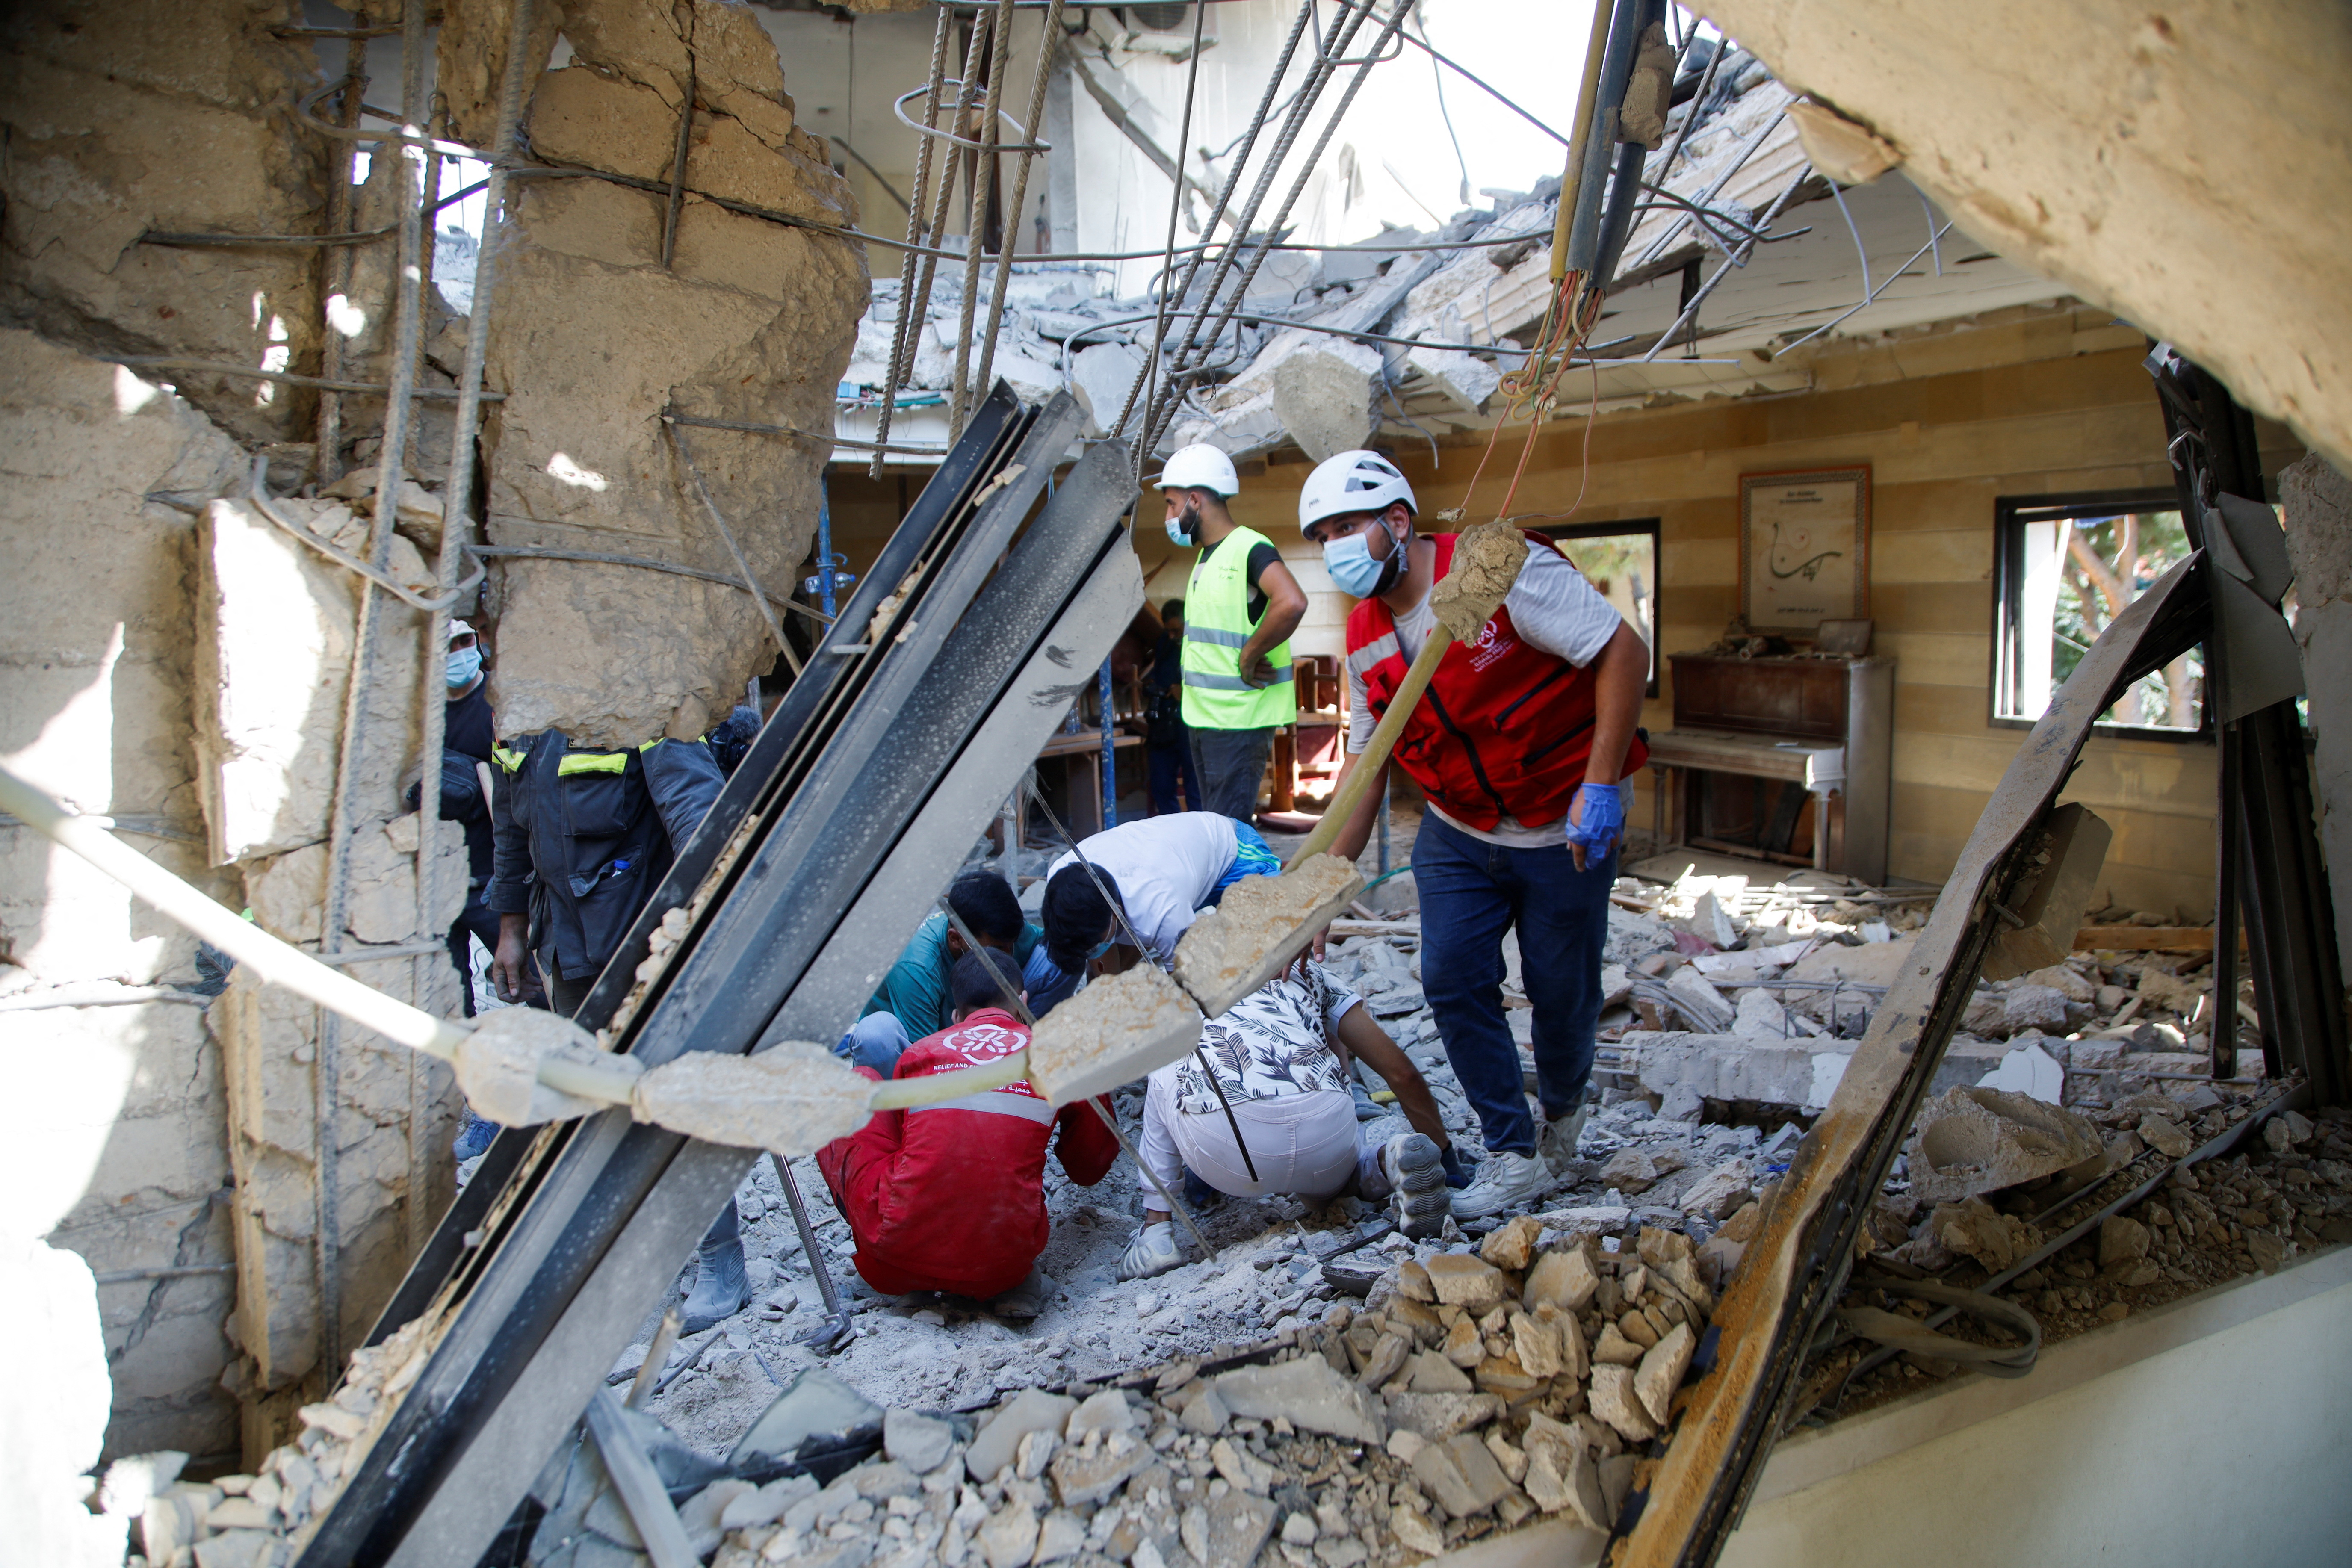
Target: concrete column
2318, 504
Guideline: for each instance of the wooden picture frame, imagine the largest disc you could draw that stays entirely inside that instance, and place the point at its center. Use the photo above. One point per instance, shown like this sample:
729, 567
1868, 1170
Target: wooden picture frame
1804, 548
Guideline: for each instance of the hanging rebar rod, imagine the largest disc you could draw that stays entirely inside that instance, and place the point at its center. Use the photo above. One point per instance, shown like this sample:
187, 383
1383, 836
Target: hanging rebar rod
1308, 167
335, 278
367, 647
1167, 302
266, 241
642, 562
702, 423
1327, 61
1046, 50
1302, 105
710, 509
222, 367
257, 491
678, 157
457, 505
1690, 311
982, 208
917, 231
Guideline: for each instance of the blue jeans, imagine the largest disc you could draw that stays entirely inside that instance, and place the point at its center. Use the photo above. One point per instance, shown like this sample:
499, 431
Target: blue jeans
877, 1041
1170, 765
1471, 893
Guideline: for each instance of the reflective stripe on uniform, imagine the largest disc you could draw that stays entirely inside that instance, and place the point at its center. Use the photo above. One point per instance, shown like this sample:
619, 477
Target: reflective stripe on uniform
996, 1103
592, 762
510, 761
1361, 661
1222, 639
1195, 678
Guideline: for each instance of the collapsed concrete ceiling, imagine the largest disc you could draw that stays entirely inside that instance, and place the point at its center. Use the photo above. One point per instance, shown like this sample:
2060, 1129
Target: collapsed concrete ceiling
2189, 168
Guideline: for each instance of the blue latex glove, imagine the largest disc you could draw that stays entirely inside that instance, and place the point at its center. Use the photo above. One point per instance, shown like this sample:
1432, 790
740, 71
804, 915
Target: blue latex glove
1602, 819
1458, 1171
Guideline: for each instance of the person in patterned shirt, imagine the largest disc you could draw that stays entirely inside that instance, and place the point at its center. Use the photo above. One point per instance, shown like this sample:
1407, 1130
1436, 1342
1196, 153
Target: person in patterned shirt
1282, 1056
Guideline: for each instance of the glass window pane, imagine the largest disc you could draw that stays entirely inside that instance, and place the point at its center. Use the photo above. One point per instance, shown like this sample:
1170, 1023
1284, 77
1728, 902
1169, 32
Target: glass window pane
2072, 576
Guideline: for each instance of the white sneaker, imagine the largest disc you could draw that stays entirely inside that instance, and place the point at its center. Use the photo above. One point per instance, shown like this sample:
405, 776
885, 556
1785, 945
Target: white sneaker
1502, 1180
1555, 1140
1152, 1252
1419, 1199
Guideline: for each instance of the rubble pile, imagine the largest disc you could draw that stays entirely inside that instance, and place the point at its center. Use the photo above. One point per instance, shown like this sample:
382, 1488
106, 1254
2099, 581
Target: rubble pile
1752, 994
2211, 1222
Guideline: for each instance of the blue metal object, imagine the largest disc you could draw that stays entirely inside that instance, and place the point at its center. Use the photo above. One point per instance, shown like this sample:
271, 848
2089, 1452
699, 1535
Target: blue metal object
825, 560
1111, 754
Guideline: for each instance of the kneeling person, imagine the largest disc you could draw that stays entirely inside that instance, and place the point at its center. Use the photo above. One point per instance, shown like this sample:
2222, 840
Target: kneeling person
952, 1197
1282, 1057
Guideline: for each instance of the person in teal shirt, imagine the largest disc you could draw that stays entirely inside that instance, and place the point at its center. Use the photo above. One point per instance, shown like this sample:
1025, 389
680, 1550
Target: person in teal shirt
915, 999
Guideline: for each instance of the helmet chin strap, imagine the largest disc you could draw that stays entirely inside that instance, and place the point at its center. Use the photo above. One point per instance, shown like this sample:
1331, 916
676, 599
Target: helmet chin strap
1393, 567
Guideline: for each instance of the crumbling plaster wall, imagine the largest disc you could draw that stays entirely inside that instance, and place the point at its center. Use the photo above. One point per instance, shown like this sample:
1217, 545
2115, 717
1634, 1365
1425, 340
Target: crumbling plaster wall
593, 339
124, 1160
2190, 167
104, 105
2318, 501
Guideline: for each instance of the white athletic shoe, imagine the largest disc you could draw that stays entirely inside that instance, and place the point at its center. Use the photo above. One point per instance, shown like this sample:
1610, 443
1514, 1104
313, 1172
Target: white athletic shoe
1419, 1199
1555, 1140
1152, 1252
1502, 1180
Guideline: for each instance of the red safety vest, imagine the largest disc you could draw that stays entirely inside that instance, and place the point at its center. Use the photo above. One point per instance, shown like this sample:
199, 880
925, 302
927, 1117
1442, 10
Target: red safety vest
1504, 727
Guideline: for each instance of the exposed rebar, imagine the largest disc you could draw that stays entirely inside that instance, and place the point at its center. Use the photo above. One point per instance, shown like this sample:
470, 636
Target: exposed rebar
1048, 47
917, 231
982, 206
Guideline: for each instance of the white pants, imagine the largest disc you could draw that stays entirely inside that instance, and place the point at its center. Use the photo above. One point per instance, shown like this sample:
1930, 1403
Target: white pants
1307, 1145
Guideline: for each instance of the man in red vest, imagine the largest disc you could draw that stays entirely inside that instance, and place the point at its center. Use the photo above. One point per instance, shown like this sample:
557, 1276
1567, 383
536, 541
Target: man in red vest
1519, 747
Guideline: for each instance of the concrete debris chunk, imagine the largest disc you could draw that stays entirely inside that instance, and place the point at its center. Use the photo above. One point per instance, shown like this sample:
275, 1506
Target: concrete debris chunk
1113, 1032
1433, 1418
793, 1098
1721, 1190
1306, 1392
1462, 1475
2162, 1135
1565, 1278
498, 1066
922, 1443
1511, 1245
1323, 395
1031, 1410
1259, 926
2029, 1006
1562, 1478
1661, 1369
1432, 1372
1637, 1170
1470, 1283
1613, 1400
1087, 1473
1971, 1141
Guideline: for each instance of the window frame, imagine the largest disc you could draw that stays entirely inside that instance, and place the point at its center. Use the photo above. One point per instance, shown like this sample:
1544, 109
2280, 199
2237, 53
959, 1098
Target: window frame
2010, 513
1564, 532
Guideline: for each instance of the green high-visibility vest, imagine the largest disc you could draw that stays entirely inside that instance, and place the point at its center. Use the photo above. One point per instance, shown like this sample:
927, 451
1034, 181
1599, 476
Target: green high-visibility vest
1216, 624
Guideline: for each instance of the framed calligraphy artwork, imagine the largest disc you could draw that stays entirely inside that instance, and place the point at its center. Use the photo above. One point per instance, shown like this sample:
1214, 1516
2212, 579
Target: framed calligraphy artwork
1804, 548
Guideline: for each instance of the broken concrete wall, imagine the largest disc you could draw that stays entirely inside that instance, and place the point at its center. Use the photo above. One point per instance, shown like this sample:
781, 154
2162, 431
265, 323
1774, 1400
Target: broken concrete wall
2319, 505
127, 116
2185, 167
130, 1163
593, 339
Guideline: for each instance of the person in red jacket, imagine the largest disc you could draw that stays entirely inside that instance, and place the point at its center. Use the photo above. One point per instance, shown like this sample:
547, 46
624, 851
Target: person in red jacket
1519, 747
952, 1197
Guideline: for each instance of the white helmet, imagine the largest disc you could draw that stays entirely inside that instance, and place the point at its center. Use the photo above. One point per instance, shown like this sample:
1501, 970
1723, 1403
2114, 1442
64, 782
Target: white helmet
1351, 482
1199, 467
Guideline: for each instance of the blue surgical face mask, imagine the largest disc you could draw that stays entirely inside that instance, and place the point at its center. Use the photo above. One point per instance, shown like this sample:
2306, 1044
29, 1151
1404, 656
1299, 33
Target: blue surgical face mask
1184, 528
1350, 561
1098, 948
464, 663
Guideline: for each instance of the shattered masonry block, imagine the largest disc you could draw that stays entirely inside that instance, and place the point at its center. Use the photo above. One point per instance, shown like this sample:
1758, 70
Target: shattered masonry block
1323, 394
1972, 1140
793, 1098
1113, 1032
498, 1066
1262, 924
1488, 559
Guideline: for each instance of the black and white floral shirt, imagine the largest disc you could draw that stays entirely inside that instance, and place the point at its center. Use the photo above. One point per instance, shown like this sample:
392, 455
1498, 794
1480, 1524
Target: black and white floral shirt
1276, 1041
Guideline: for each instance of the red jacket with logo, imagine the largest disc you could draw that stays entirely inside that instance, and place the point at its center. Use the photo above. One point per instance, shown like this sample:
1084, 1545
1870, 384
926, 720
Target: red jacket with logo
952, 1197
1505, 727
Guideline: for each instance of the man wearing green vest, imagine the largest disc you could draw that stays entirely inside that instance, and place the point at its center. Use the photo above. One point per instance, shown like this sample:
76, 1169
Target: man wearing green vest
1240, 608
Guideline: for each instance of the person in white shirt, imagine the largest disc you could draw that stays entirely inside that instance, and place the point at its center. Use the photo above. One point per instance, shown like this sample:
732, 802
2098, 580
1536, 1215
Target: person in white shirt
1520, 746
1162, 870
1280, 1060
